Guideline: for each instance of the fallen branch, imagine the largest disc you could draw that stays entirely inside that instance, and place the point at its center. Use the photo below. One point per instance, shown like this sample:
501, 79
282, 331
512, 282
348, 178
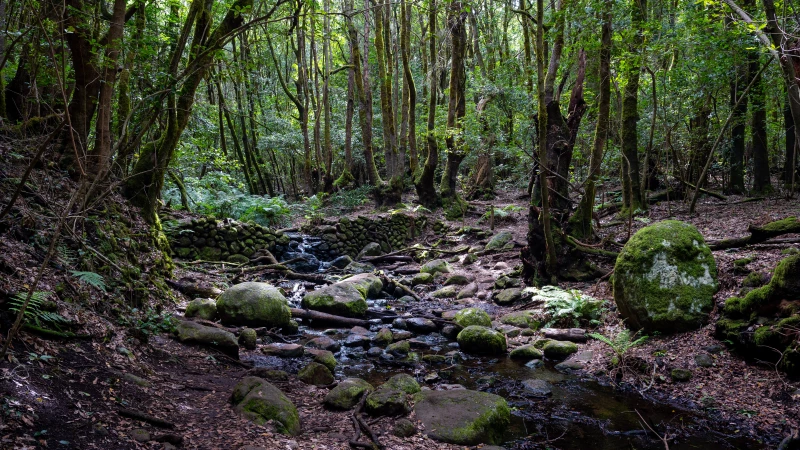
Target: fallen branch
406, 290
705, 191
138, 415
759, 234
328, 318
594, 251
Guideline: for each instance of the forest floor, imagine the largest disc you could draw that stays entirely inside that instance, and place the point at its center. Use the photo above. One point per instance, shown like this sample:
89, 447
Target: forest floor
68, 394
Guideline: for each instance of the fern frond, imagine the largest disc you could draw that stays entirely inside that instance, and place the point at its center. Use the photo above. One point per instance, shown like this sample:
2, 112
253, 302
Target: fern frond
90, 278
34, 313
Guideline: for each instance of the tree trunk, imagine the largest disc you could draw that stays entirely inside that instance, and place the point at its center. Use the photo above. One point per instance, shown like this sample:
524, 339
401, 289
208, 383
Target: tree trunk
408, 129
761, 177
424, 182
739, 121
631, 186
790, 167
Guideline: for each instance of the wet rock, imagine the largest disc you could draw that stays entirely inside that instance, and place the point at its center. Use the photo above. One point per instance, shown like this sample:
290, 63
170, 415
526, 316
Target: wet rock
481, 340
341, 262
282, 350
703, 360
435, 266
359, 330
569, 365
402, 382
323, 357
204, 308
680, 374
526, 353
450, 331
371, 249
467, 291
359, 267
459, 280
247, 338
539, 388
419, 343
434, 359
534, 364
463, 417
375, 351
383, 337
386, 402
316, 374
509, 330
399, 348
421, 325
559, 349
253, 304
508, 296
356, 340
521, 319
665, 278
472, 316
505, 282
499, 240
404, 428
305, 263
345, 298
324, 343
259, 401
194, 333
446, 292
399, 323
368, 284
422, 278
347, 393
400, 335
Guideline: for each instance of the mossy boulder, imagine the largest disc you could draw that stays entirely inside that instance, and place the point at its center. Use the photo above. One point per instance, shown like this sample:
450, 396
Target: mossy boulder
347, 393
435, 266
399, 348
203, 308
446, 292
665, 278
481, 340
499, 240
472, 316
193, 333
386, 401
368, 284
383, 337
316, 374
422, 278
341, 299
259, 401
324, 357
508, 296
521, 319
254, 304
526, 353
459, 280
247, 338
463, 417
402, 382
559, 349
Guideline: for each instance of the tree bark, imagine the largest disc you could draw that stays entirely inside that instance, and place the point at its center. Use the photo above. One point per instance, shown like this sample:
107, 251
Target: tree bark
631, 186
424, 182
758, 131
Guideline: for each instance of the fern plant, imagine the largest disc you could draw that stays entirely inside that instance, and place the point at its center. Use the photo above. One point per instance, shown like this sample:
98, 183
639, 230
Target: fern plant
573, 309
92, 279
34, 314
621, 343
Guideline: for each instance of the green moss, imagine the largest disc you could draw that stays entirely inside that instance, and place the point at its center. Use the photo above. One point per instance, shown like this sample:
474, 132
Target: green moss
521, 319
781, 226
403, 382
481, 340
754, 279
743, 261
472, 316
729, 329
490, 425
454, 207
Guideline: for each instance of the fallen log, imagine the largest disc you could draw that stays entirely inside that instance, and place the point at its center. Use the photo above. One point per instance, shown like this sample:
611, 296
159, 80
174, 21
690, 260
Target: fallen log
138, 415
565, 334
705, 191
193, 288
759, 234
328, 318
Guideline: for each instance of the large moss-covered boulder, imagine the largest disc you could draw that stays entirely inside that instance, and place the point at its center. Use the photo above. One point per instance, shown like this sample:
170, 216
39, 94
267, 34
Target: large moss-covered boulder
463, 417
481, 340
347, 393
259, 401
254, 304
346, 298
472, 316
665, 278
193, 333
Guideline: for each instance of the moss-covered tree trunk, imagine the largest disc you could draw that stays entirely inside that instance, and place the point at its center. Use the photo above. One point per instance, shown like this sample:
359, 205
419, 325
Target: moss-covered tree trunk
632, 195
424, 180
408, 118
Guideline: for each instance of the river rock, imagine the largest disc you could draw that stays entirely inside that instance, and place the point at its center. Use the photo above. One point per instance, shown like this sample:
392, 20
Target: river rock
521, 319
356, 340
399, 348
371, 249
463, 417
402, 382
323, 357
435, 266
282, 350
404, 428
499, 240
339, 299
359, 267
467, 291
247, 338
481, 340
324, 343
193, 333
341, 262
526, 353
386, 402
446, 292
347, 393
422, 278
383, 337
203, 308
459, 280
421, 325
665, 278
368, 284
508, 296
253, 304
559, 349
539, 388
472, 316
259, 401
316, 374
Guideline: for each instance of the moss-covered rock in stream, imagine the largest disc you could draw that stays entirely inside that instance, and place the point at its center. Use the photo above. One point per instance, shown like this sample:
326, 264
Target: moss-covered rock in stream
247, 338
481, 340
559, 349
253, 304
259, 401
403, 382
767, 317
347, 393
324, 357
463, 417
341, 299
665, 278
526, 353
204, 308
472, 316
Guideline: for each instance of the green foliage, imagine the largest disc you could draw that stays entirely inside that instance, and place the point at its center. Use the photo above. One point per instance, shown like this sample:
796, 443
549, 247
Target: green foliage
151, 322
34, 313
621, 342
92, 279
500, 214
574, 309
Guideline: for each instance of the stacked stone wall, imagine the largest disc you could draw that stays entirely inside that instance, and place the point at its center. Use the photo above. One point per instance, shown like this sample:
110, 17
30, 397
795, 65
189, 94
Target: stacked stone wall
211, 239
347, 236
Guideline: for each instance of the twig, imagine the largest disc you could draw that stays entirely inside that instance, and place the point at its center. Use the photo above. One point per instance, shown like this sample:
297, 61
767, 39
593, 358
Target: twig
663, 439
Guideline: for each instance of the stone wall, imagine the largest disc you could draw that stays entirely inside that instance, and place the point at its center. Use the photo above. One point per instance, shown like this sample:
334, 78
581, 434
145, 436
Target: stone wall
347, 236
211, 239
